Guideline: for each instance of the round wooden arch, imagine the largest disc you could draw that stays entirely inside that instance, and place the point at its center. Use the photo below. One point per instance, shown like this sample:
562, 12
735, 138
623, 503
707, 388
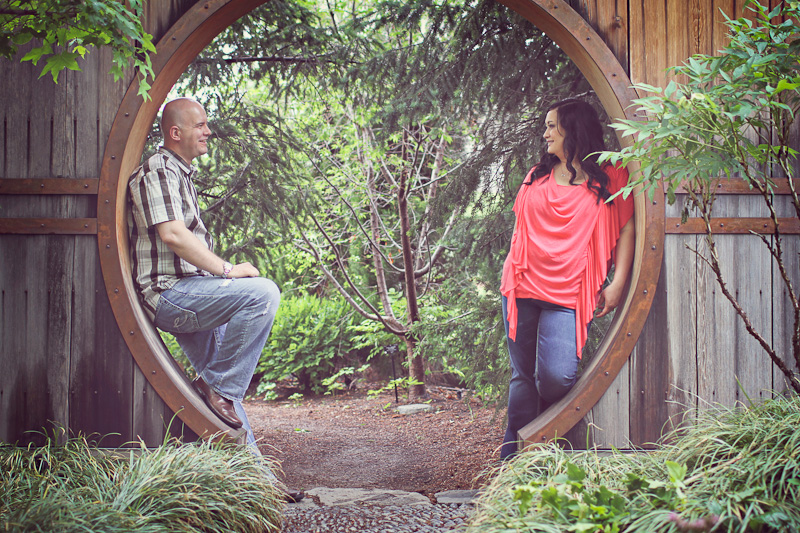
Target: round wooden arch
184, 41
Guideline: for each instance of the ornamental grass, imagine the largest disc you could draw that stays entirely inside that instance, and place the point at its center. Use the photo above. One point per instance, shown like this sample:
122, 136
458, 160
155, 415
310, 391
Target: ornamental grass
176, 487
729, 469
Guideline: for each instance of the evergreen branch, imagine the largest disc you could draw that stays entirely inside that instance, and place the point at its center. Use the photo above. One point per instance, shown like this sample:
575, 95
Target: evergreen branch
315, 60
239, 184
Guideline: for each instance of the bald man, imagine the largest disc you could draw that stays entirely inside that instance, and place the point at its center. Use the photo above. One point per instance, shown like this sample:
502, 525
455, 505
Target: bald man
220, 313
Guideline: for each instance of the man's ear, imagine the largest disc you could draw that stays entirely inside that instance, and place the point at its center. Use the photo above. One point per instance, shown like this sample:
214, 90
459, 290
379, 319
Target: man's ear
175, 133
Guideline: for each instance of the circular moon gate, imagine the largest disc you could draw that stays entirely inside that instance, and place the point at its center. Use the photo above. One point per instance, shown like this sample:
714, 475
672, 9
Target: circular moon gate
176, 50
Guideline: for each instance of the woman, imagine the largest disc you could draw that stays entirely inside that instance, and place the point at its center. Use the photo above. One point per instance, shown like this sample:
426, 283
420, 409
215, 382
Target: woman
565, 239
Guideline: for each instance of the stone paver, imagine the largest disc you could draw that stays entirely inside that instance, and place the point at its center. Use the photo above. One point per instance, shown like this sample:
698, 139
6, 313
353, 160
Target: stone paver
456, 496
414, 408
340, 497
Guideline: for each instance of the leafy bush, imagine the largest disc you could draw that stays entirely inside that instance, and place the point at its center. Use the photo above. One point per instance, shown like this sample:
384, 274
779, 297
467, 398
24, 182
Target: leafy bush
176, 487
177, 353
309, 337
729, 470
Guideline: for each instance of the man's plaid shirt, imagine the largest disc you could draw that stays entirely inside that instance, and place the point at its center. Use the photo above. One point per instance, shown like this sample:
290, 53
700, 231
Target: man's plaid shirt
162, 190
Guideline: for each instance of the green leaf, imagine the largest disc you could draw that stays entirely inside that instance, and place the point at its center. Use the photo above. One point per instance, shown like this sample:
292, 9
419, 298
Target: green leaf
786, 85
58, 62
677, 472
575, 473
22, 37
35, 54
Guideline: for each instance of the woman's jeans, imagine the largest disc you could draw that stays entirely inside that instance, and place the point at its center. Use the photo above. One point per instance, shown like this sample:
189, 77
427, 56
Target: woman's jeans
544, 363
221, 325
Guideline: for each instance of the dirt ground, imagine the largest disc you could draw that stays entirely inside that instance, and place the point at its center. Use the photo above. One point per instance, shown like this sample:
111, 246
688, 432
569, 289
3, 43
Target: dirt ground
351, 440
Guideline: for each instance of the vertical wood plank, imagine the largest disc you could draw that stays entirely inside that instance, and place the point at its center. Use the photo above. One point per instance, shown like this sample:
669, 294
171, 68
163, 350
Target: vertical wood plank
12, 295
17, 118
783, 310
610, 420
636, 32
84, 151
59, 274
681, 266
753, 286
716, 322
59, 162
719, 31
701, 20
36, 401
151, 418
649, 373
101, 390
677, 34
5, 75
653, 43
12, 340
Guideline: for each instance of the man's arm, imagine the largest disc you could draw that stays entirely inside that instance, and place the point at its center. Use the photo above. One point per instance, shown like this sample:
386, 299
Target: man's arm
185, 245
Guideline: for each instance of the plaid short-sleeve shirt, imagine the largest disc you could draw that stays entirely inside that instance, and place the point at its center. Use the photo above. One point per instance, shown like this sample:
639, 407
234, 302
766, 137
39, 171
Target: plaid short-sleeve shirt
161, 190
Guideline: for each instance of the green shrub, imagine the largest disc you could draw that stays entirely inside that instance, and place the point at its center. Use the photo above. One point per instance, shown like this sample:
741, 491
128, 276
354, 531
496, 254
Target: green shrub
176, 487
729, 470
177, 353
309, 337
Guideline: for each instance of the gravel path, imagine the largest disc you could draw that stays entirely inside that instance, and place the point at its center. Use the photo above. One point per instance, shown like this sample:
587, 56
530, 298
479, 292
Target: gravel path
377, 518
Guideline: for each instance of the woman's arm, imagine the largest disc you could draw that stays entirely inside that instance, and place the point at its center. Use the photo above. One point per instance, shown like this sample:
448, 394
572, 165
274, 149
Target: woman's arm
611, 295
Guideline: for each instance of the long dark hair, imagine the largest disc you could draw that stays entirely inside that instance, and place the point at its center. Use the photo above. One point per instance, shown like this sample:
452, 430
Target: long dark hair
583, 135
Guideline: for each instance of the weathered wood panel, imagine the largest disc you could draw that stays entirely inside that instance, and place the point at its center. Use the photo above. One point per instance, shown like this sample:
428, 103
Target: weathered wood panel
650, 373
610, 20
609, 422
66, 359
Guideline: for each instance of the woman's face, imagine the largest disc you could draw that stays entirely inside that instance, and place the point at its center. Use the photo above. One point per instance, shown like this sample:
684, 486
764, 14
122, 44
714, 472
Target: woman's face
553, 136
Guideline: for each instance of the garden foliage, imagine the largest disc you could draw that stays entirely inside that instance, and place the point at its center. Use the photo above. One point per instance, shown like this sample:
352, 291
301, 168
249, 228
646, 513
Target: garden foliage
70, 486
731, 469
310, 341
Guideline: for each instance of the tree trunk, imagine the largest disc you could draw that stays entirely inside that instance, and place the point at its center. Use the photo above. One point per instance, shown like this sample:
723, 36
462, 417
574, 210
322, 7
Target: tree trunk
416, 371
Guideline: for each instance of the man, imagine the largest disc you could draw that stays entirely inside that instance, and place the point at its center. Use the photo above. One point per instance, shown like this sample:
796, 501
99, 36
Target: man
221, 314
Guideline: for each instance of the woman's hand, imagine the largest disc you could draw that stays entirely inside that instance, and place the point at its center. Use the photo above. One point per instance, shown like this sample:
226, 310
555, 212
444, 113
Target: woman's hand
609, 299
611, 296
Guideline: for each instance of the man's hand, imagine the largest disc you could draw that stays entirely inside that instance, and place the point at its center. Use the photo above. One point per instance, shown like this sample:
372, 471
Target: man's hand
244, 270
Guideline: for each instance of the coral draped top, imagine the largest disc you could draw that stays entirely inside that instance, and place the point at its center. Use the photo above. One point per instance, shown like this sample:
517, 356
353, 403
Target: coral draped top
563, 245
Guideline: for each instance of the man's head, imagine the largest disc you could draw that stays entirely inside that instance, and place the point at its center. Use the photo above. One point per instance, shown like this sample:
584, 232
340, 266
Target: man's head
184, 125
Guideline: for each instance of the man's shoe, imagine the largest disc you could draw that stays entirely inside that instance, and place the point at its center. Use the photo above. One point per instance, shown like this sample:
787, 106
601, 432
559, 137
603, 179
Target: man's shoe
222, 407
293, 496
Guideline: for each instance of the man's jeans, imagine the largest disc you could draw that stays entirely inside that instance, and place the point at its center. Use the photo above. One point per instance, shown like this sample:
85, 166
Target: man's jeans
221, 325
544, 363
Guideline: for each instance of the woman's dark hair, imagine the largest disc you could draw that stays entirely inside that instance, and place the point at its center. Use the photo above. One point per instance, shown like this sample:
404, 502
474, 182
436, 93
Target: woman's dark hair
583, 135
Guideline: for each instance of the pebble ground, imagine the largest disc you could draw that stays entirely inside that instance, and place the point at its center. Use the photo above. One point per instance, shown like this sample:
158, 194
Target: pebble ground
378, 518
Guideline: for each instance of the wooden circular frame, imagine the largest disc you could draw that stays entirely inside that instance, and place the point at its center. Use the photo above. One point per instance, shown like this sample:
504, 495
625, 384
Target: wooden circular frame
181, 45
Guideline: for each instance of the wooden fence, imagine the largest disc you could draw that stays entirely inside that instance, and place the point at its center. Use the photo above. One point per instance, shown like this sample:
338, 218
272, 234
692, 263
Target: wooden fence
63, 358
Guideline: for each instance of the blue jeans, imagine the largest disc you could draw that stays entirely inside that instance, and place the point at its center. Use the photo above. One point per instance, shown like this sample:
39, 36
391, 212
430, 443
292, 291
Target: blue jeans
544, 363
221, 325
